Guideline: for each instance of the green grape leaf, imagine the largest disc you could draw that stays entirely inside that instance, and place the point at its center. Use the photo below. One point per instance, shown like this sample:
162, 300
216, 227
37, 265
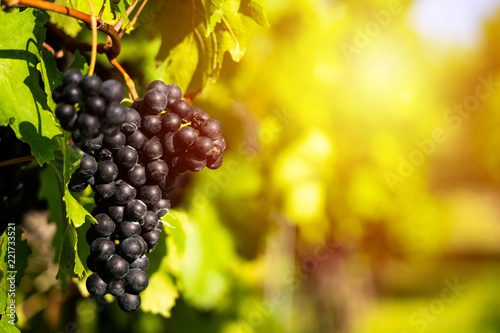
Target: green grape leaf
160, 296
214, 10
24, 103
69, 261
120, 8
175, 221
68, 24
254, 10
5, 327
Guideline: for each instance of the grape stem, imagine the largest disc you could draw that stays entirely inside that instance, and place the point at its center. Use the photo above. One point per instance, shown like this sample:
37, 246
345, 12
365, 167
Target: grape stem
17, 160
93, 57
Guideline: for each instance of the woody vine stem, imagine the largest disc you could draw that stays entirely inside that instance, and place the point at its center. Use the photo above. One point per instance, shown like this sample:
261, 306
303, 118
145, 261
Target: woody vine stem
112, 49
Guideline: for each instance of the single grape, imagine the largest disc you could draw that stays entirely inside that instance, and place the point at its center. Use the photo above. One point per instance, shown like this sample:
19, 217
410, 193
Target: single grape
167, 184
221, 142
116, 213
107, 171
72, 95
152, 238
88, 125
58, 94
106, 190
131, 249
108, 128
144, 246
151, 124
152, 150
137, 140
102, 249
96, 285
156, 101
72, 77
136, 210
96, 106
203, 146
90, 85
149, 222
116, 288
128, 229
187, 136
93, 264
193, 161
171, 144
136, 280
174, 93
70, 124
124, 193
77, 183
199, 117
129, 302
112, 91
162, 207
171, 122
88, 166
182, 108
105, 225
65, 112
156, 170
150, 194
215, 164
89, 145
139, 106
158, 85
132, 121
117, 267
211, 128
115, 114
115, 142
91, 235
141, 262
137, 175
126, 157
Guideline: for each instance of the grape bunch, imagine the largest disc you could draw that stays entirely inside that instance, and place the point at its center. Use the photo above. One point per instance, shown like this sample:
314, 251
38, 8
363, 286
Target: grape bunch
131, 157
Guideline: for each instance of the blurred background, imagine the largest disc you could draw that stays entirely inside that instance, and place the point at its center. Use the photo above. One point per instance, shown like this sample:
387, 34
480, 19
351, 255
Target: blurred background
360, 191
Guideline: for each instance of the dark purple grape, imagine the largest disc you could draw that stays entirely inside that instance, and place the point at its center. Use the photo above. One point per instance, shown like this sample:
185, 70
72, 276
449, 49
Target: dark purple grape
65, 112
221, 142
199, 117
124, 193
162, 207
131, 249
137, 140
150, 194
77, 183
89, 145
88, 125
115, 114
158, 85
96, 285
102, 249
112, 91
106, 190
128, 229
151, 124
116, 213
93, 264
70, 124
139, 106
104, 154
203, 146
155, 101
90, 85
116, 288
194, 162
132, 121
126, 157
141, 262
149, 222
174, 93
211, 128
117, 267
156, 170
105, 225
136, 210
115, 142
96, 106
171, 144
108, 128
182, 108
72, 94
152, 238
152, 150
171, 122
88, 166
58, 94
187, 136
129, 302
137, 175
72, 77
136, 280
107, 171
215, 164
